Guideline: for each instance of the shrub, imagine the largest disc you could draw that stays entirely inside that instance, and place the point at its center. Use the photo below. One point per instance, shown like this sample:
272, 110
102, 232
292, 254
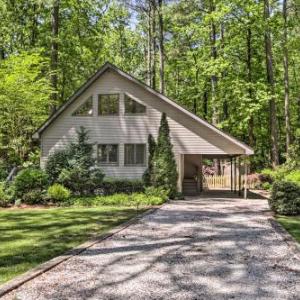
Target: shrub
112, 186
148, 174
80, 180
164, 172
74, 167
28, 180
35, 196
157, 192
4, 198
293, 176
56, 163
58, 192
273, 175
285, 198
266, 186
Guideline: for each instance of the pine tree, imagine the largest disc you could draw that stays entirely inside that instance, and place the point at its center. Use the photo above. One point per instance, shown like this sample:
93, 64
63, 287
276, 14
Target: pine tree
164, 165
151, 149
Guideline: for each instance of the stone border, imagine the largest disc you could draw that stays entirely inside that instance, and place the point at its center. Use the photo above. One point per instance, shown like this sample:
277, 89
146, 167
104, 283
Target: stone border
44, 267
286, 236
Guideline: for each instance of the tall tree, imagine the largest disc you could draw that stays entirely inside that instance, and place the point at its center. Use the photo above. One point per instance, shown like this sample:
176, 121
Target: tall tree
271, 82
54, 52
286, 74
161, 47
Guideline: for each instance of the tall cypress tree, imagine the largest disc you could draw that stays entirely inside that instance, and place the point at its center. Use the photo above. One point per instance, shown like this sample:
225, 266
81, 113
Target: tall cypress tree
151, 149
164, 165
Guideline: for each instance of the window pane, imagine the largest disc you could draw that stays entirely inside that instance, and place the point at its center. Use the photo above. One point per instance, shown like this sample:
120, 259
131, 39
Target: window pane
108, 104
140, 154
108, 153
113, 153
86, 109
102, 153
129, 154
133, 107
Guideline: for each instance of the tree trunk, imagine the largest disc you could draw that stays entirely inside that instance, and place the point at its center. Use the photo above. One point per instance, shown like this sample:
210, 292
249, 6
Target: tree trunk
161, 48
153, 41
286, 77
54, 52
214, 80
250, 90
149, 46
271, 82
34, 25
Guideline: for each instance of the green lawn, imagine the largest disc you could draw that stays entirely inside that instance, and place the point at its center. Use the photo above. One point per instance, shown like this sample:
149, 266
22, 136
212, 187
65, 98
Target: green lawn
291, 224
29, 237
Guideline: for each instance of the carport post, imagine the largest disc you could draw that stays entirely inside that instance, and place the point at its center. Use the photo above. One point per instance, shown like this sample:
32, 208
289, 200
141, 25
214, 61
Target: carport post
245, 179
231, 174
240, 176
234, 175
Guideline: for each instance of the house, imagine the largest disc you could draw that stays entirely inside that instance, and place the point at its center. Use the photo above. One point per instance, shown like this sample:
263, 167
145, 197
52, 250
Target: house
120, 111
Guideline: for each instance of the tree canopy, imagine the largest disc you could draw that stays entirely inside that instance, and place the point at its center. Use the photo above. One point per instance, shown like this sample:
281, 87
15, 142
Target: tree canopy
234, 63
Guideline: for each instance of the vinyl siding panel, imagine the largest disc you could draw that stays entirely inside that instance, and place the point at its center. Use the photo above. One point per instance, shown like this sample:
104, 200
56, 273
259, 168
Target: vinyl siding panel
187, 135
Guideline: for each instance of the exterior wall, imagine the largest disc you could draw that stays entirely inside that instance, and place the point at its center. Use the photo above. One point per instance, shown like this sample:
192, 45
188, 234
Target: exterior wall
188, 137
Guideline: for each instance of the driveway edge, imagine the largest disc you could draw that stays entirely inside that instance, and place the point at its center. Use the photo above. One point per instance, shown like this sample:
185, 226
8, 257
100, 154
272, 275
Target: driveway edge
286, 236
46, 266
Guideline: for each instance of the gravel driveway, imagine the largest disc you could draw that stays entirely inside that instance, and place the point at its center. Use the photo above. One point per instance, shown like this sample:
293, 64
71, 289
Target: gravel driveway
200, 248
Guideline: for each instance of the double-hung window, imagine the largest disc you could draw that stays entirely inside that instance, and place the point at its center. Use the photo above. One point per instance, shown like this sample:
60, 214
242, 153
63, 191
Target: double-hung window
134, 154
108, 154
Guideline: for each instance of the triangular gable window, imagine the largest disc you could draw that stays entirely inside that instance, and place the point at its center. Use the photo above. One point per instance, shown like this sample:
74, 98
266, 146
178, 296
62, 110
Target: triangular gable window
86, 109
133, 107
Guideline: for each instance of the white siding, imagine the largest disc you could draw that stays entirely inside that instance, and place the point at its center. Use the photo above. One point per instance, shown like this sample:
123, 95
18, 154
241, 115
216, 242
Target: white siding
188, 136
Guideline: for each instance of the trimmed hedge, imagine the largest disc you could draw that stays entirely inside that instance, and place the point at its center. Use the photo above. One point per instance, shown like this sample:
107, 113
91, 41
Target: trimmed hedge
120, 186
285, 198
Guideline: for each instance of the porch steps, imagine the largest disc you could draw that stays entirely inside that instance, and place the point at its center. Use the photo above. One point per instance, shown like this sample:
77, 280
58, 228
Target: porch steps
189, 187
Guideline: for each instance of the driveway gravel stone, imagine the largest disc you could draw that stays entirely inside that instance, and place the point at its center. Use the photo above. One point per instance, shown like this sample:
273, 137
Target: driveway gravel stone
200, 248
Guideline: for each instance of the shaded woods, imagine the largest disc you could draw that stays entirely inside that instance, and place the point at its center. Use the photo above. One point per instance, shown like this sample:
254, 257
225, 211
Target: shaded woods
234, 63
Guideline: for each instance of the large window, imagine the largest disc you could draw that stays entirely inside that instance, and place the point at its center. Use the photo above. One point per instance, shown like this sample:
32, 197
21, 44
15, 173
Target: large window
108, 154
86, 109
133, 107
108, 104
135, 154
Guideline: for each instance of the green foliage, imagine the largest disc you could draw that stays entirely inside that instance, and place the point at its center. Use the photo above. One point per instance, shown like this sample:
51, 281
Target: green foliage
35, 196
157, 192
124, 186
24, 103
266, 186
293, 176
274, 174
164, 166
74, 167
293, 157
58, 193
149, 172
81, 181
56, 163
135, 200
285, 198
28, 183
4, 198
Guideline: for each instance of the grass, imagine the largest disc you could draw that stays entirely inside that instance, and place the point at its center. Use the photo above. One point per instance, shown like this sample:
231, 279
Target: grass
29, 237
291, 224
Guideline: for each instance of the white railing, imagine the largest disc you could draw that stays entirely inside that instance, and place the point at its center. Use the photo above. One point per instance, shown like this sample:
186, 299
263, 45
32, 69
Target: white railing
223, 181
